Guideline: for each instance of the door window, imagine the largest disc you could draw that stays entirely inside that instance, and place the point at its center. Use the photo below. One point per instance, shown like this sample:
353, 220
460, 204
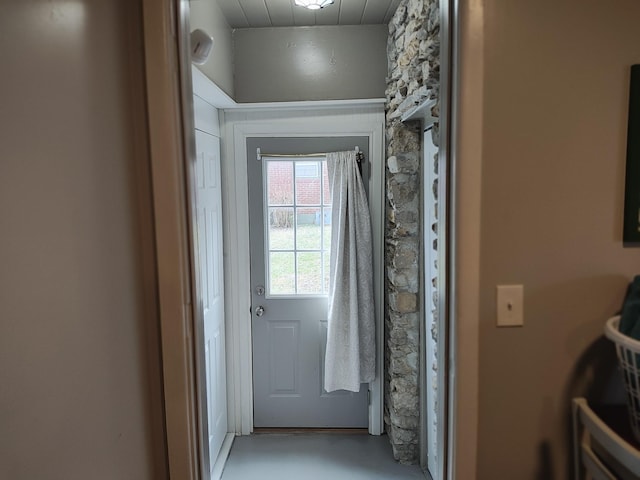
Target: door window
298, 233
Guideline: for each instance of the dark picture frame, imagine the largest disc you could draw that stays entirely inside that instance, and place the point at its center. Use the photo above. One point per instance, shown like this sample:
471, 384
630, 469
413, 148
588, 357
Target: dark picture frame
631, 228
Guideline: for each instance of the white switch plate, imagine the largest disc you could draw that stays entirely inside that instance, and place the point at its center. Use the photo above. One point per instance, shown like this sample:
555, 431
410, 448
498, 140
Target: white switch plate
510, 306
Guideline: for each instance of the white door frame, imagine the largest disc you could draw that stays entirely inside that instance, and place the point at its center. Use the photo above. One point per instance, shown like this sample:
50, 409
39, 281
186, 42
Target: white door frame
287, 122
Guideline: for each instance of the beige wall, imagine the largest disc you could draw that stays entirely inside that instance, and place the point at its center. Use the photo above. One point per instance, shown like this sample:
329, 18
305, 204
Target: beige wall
310, 63
78, 398
553, 138
206, 15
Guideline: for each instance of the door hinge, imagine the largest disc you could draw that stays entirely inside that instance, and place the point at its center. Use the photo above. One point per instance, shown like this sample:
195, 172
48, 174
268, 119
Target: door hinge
369, 397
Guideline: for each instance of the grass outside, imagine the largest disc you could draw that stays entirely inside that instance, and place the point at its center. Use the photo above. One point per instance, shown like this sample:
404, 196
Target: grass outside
282, 264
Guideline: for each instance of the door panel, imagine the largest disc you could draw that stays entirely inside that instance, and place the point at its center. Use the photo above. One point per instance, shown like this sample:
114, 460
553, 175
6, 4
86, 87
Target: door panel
289, 277
284, 356
210, 260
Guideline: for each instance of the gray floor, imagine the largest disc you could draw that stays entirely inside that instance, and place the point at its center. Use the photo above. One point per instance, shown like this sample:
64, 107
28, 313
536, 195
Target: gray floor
315, 456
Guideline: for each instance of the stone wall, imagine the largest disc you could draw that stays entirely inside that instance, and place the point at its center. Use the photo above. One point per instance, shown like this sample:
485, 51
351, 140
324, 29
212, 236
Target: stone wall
413, 56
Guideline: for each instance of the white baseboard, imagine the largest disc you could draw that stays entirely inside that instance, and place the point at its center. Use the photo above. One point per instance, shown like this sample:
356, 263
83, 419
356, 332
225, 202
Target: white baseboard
218, 467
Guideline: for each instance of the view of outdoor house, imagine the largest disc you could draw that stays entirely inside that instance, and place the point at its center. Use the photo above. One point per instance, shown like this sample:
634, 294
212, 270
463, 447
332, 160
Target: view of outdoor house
299, 232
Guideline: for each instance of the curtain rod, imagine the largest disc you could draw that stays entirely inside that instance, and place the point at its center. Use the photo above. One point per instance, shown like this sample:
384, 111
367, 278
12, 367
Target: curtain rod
259, 154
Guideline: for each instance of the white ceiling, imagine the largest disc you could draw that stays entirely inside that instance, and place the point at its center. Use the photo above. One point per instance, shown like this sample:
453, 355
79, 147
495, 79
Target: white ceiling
283, 13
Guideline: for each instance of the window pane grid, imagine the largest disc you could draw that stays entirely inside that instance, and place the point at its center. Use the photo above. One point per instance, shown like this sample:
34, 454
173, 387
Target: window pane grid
307, 230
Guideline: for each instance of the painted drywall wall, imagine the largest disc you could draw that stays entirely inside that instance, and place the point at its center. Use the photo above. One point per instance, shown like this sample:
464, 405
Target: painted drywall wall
206, 15
310, 63
554, 118
78, 397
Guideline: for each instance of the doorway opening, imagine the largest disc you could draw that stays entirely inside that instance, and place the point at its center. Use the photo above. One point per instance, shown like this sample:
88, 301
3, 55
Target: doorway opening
239, 124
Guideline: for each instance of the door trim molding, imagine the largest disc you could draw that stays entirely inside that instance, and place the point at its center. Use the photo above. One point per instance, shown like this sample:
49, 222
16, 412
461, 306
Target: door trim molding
166, 145
465, 124
285, 123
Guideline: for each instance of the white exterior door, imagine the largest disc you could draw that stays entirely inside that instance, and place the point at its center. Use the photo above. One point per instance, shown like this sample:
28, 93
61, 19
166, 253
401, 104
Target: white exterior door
209, 257
290, 232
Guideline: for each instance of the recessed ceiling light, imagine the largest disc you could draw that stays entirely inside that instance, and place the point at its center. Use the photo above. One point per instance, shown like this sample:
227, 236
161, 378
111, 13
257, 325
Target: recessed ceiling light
313, 4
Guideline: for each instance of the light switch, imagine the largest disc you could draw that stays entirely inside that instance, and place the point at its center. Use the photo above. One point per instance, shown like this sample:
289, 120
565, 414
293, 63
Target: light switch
510, 306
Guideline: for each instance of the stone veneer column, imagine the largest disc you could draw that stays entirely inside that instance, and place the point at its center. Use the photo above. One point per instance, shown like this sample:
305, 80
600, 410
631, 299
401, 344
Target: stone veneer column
413, 56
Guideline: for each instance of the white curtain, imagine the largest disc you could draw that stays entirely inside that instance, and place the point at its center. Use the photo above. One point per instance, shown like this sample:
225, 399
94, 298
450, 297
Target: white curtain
350, 353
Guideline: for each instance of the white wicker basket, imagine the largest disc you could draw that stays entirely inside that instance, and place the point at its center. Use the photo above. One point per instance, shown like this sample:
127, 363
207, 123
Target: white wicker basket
628, 351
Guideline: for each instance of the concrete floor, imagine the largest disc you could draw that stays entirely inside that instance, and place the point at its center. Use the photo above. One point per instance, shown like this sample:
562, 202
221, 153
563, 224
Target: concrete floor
315, 456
